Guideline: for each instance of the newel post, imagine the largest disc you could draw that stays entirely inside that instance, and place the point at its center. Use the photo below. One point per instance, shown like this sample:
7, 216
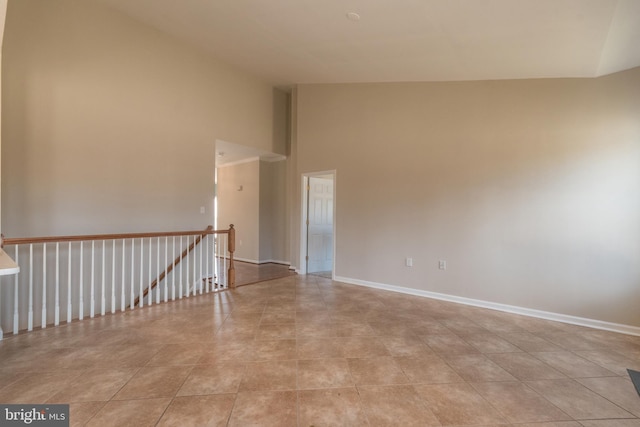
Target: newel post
232, 248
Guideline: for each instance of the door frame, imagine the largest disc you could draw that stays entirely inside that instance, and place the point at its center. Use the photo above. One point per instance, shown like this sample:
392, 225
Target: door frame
304, 249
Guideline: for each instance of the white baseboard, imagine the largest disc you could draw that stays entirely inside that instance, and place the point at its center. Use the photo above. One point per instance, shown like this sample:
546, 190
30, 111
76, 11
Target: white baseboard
564, 318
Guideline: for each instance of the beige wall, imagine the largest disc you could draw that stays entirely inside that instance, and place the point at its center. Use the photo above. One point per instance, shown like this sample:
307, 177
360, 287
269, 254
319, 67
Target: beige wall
110, 125
3, 15
528, 189
258, 211
241, 207
273, 212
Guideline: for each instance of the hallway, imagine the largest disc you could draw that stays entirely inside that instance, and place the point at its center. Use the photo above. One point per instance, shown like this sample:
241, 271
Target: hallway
306, 351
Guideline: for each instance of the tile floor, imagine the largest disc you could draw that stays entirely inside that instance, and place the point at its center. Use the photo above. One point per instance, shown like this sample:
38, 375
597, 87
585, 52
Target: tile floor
306, 351
248, 273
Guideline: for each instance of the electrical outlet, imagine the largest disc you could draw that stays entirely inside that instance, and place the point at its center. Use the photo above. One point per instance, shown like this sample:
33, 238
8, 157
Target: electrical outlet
409, 262
202, 210
442, 265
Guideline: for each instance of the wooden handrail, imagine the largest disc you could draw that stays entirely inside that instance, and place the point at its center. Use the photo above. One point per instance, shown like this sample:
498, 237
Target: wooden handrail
231, 273
88, 237
175, 262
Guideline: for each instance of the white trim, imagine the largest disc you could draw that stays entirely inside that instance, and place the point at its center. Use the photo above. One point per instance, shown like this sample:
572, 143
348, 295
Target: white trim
275, 158
238, 162
557, 317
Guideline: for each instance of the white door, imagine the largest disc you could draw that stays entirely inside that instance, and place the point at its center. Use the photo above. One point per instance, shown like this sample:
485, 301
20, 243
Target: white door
320, 225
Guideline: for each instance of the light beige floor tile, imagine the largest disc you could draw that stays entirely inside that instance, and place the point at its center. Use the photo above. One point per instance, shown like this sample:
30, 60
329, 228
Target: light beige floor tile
94, 385
462, 326
449, 344
525, 367
154, 382
458, 404
210, 411
354, 329
615, 362
318, 348
81, 412
490, 343
393, 328
139, 413
527, 341
177, 354
552, 424
398, 405
477, 368
376, 371
230, 349
36, 388
129, 356
335, 407
273, 375
577, 401
427, 370
573, 365
324, 373
222, 377
361, 347
276, 332
265, 408
518, 403
315, 330
618, 390
278, 316
612, 423
273, 350
405, 346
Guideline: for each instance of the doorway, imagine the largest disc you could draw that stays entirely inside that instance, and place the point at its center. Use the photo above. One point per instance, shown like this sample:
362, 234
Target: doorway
318, 220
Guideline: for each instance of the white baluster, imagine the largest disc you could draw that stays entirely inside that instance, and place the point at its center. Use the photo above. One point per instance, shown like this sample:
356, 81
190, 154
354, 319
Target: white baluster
180, 268
150, 290
140, 297
200, 278
56, 319
16, 293
81, 287
225, 268
207, 275
69, 304
158, 269
30, 319
188, 269
133, 298
92, 295
216, 260
195, 261
103, 299
44, 286
113, 276
166, 269
123, 303
173, 270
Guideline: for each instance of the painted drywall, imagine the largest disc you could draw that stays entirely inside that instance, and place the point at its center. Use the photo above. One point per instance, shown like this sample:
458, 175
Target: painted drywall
109, 125
239, 204
528, 189
252, 196
3, 16
273, 212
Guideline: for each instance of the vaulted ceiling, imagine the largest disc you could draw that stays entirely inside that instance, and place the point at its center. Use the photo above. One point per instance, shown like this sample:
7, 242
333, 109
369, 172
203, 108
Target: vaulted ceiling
313, 41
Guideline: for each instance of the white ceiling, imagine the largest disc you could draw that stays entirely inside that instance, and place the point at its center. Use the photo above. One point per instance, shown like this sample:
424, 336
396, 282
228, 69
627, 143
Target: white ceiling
311, 41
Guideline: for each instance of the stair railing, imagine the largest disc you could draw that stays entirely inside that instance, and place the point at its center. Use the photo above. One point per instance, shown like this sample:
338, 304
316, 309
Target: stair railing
95, 274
